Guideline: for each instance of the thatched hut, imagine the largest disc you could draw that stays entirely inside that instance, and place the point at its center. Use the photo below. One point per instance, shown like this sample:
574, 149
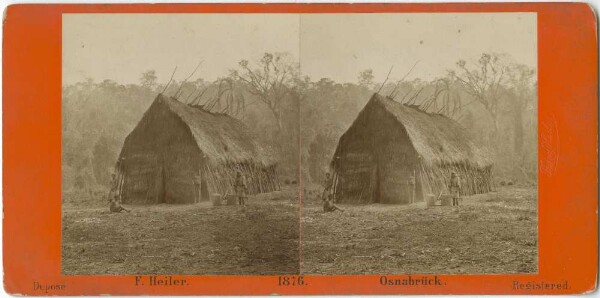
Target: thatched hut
183, 154
394, 152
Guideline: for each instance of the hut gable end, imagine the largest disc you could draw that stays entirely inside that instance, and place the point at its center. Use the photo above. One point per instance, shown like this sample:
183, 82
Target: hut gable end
374, 130
157, 128
157, 159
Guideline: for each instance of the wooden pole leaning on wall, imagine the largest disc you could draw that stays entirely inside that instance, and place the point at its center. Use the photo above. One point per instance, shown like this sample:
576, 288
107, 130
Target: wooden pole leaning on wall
122, 189
252, 172
274, 180
250, 182
120, 179
271, 178
256, 174
334, 187
215, 180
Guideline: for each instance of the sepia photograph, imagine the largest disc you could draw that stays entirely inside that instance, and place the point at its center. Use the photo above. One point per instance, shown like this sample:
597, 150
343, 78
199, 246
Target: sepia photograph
178, 153
283, 144
420, 138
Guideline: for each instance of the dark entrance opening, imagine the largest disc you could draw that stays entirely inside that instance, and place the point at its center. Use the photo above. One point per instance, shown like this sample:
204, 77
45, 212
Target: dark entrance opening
162, 187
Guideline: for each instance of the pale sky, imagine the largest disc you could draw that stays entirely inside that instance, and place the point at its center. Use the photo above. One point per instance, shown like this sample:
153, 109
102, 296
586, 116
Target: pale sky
337, 46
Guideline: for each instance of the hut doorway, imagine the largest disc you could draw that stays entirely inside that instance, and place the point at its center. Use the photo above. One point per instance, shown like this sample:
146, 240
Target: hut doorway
204, 193
161, 185
376, 181
197, 186
359, 178
418, 187
201, 192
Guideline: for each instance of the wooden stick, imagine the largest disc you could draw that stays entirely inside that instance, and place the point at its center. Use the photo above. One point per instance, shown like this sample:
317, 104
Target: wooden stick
402, 79
199, 97
413, 98
181, 86
386, 78
171, 79
190, 94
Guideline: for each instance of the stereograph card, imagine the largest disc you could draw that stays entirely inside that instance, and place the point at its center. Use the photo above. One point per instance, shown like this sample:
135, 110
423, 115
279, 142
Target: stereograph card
333, 149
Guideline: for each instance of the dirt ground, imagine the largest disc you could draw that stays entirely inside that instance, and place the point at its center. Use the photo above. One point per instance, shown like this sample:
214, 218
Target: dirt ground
260, 239
490, 233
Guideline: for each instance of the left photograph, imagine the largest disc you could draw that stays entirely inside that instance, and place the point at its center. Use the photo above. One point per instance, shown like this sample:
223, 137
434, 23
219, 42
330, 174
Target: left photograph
180, 144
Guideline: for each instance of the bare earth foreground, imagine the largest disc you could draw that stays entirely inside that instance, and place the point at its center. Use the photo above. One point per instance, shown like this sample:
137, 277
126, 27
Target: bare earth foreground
490, 233
261, 239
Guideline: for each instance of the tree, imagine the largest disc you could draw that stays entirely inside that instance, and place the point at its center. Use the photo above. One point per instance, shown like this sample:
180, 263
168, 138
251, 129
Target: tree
484, 82
148, 79
319, 155
365, 78
271, 81
521, 88
103, 159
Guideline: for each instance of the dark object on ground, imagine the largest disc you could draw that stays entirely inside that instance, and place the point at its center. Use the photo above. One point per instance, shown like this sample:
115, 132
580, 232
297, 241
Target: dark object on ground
231, 200
328, 205
446, 200
217, 200
115, 206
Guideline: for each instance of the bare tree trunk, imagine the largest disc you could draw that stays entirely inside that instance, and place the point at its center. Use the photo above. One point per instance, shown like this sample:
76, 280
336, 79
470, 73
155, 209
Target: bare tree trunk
277, 116
518, 129
495, 128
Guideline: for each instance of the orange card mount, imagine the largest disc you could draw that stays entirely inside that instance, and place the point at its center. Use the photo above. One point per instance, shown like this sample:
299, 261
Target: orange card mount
459, 142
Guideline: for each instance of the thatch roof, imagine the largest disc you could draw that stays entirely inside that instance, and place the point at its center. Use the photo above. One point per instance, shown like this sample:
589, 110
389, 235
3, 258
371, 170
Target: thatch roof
220, 137
436, 138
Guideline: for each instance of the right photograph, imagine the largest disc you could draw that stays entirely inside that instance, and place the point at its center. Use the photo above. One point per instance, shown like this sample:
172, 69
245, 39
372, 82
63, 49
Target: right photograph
420, 143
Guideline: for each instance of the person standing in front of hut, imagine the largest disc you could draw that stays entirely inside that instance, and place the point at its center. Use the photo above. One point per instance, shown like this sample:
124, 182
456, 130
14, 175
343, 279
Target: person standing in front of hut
454, 188
240, 188
198, 187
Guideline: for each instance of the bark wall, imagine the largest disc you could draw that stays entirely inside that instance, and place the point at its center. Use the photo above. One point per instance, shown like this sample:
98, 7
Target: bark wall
259, 179
159, 160
374, 161
474, 180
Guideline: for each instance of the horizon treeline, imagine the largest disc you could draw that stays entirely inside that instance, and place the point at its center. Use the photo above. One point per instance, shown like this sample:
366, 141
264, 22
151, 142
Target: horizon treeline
493, 97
